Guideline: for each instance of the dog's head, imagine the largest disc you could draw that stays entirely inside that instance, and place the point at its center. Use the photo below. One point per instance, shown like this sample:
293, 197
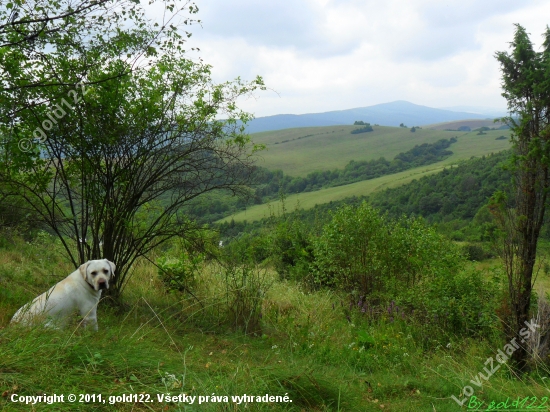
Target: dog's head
98, 273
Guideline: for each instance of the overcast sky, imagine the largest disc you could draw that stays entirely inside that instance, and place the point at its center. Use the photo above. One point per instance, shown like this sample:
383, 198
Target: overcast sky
321, 55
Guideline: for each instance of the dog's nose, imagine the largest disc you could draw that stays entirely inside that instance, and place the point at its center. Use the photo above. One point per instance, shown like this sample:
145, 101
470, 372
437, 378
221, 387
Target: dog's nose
102, 284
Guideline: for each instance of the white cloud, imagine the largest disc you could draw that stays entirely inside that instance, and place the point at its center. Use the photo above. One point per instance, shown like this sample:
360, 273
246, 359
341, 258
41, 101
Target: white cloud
324, 55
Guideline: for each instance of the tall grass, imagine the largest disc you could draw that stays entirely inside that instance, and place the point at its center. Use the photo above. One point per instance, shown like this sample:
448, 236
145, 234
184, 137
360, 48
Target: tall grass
311, 346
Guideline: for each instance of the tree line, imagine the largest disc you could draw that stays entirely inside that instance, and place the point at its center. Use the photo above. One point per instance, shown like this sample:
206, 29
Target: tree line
271, 184
455, 194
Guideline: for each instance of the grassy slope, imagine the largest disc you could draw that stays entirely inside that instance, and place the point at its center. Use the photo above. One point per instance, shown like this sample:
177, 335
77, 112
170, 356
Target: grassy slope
309, 199
472, 123
166, 343
468, 145
333, 147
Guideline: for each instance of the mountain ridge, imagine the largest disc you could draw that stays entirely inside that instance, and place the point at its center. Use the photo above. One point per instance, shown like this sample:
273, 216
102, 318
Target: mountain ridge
384, 114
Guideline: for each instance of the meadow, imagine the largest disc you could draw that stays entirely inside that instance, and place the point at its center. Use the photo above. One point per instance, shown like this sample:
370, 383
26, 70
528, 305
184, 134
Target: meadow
310, 345
245, 328
354, 308
300, 151
471, 123
468, 145
308, 200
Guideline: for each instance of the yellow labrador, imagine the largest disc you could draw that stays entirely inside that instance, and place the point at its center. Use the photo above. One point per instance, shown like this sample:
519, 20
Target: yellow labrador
80, 290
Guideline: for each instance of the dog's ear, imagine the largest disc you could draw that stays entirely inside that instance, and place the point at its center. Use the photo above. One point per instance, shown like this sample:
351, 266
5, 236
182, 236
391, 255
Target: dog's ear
113, 267
82, 269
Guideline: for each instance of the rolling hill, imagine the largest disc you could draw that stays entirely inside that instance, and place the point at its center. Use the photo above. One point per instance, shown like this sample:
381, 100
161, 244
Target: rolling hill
385, 114
300, 151
471, 123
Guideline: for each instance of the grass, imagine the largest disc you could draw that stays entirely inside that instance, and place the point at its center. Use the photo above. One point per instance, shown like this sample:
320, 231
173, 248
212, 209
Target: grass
304, 150
308, 200
331, 147
168, 343
472, 123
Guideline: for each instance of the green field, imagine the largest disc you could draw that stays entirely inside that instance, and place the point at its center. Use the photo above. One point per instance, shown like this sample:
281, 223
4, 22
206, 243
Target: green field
468, 145
472, 123
309, 199
304, 150
172, 343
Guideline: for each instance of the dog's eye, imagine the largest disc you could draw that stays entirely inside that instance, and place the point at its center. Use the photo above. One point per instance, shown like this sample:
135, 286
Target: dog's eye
94, 273
105, 271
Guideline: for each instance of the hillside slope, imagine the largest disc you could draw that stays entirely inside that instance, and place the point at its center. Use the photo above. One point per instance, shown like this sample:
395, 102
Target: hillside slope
468, 145
471, 123
298, 152
308, 200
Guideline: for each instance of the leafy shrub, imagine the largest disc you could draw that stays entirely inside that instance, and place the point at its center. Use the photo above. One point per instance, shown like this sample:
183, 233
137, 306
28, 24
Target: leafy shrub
254, 247
16, 215
292, 249
463, 302
474, 252
179, 274
363, 252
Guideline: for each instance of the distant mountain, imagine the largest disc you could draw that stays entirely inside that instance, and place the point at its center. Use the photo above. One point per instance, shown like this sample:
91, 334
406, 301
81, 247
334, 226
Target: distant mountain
386, 114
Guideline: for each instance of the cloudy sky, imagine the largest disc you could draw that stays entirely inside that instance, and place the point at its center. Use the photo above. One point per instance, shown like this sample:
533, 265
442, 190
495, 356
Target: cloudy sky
321, 55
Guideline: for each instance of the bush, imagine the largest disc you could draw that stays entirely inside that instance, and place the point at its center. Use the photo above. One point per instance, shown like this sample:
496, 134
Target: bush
474, 252
367, 254
463, 302
292, 249
16, 215
179, 274
250, 247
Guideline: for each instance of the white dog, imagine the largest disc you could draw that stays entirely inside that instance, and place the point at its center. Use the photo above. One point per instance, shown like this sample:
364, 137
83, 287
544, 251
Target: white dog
80, 290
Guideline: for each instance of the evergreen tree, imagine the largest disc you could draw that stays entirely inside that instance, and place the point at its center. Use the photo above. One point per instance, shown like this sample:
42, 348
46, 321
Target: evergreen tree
526, 84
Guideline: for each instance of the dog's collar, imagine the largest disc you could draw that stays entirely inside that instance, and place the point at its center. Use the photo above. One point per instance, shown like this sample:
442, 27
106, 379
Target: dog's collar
89, 284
